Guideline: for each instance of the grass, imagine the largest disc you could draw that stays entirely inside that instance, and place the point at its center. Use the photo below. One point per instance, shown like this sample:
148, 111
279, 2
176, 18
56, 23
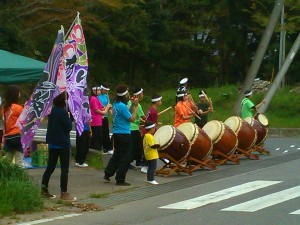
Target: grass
283, 112
19, 193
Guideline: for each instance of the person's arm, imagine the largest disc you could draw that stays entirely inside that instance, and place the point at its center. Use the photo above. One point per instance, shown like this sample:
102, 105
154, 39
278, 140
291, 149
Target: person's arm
260, 104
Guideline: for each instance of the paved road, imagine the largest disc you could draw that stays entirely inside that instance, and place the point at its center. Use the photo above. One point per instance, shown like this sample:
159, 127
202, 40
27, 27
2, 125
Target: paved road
268, 190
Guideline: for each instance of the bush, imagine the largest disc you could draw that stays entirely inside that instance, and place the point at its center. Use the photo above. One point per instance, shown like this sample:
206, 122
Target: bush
19, 193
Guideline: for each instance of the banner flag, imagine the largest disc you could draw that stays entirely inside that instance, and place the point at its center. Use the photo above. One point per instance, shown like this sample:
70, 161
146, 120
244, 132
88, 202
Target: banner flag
40, 103
76, 70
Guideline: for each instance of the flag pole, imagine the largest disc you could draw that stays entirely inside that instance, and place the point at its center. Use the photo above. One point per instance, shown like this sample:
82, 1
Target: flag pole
77, 17
64, 62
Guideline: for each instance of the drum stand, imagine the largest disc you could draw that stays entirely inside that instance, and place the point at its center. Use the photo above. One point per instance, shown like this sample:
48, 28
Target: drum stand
260, 149
247, 153
220, 158
171, 165
194, 164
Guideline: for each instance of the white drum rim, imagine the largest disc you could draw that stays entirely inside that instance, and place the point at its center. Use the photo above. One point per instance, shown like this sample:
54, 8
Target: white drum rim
222, 130
182, 127
249, 120
263, 119
239, 122
164, 146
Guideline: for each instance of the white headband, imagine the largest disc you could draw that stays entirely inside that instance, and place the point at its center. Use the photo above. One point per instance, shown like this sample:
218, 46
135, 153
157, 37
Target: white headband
139, 92
183, 81
122, 94
180, 95
104, 88
201, 95
150, 126
156, 99
94, 88
248, 94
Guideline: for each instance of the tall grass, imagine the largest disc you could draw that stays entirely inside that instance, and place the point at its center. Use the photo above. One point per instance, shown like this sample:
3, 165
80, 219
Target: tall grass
283, 112
18, 192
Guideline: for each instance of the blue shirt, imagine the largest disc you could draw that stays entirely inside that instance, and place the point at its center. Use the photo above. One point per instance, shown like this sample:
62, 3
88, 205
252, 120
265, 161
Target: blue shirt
103, 98
121, 116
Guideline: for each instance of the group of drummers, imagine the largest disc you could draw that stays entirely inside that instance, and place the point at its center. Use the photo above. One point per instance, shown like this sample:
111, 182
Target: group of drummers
197, 143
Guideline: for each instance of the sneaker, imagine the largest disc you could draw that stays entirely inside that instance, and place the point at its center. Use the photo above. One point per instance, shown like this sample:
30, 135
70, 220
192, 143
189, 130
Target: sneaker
106, 179
154, 182
144, 169
122, 183
82, 165
65, 196
46, 194
110, 152
131, 167
76, 164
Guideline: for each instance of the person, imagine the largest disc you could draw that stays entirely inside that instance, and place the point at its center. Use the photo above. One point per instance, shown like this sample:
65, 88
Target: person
248, 106
204, 108
150, 151
184, 109
183, 83
122, 116
136, 138
104, 99
82, 145
12, 134
97, 112
59, 146
152, 115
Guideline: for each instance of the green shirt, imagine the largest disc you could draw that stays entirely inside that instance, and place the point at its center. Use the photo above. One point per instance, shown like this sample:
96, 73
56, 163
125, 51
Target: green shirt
246, 108
136, 124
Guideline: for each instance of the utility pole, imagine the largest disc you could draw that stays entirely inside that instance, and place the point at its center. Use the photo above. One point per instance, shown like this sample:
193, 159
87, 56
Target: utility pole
259, 54
281, 56
280, 75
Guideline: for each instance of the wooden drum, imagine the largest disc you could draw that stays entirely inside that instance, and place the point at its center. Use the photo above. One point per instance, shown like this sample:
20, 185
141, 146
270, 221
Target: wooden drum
260, 129
223, 138
173, 142
245, 133
201, 145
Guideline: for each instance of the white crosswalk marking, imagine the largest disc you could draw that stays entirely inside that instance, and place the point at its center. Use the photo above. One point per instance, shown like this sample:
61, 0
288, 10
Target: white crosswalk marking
220, 195
266, 201
297, 212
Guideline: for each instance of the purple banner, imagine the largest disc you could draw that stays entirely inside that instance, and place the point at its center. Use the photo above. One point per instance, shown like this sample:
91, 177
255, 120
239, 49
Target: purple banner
40, 103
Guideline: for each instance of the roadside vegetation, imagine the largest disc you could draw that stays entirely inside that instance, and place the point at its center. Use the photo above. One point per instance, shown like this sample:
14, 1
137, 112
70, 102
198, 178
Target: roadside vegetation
18, 192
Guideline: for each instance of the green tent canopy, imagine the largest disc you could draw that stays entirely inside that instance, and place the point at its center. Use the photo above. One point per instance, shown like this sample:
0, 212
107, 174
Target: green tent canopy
19, 69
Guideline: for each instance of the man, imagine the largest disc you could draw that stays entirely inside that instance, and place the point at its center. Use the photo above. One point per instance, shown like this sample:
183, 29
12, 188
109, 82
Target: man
204, 108
248, 106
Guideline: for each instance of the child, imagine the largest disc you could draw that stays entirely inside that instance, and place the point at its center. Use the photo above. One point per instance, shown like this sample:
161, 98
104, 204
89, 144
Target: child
150, 151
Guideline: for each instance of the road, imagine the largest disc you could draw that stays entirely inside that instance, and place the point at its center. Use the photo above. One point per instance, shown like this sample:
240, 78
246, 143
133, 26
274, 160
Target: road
264, 191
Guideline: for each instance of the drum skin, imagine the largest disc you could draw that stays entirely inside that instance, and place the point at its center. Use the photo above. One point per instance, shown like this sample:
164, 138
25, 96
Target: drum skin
225, 140
262, 119
177, 146
261, 130
245, 133
201, 145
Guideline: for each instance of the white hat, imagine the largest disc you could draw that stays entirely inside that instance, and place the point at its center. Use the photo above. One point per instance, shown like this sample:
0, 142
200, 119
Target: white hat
183, 81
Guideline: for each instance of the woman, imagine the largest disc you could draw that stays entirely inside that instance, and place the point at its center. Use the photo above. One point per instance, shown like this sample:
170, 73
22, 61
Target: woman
12, 134
58, 140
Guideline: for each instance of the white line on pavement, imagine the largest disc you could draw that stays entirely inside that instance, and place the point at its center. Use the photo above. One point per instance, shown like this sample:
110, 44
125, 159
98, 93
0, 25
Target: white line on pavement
220, 195
50, 219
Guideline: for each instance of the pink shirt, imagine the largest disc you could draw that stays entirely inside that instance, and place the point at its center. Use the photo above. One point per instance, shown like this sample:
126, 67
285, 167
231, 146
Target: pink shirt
96, 117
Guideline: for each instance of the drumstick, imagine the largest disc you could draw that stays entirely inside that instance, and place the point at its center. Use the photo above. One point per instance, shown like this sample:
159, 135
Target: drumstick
195, 114
165, 110
208, 100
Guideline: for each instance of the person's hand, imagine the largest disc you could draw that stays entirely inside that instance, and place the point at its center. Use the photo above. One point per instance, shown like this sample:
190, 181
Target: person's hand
134, 101
264, 101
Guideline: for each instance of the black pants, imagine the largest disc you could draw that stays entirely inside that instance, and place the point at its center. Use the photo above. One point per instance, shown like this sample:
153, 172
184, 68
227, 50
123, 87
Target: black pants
96, 140
121, 158
152, 164
82, 146
107, 143
64, 157
137, 147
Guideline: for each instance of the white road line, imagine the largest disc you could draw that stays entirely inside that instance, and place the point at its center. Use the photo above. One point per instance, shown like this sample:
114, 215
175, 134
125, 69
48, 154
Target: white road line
297, 212
220, 195
49, 220
266, 201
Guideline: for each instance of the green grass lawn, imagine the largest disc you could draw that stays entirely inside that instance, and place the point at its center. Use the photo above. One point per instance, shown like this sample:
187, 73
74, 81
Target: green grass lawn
283, 112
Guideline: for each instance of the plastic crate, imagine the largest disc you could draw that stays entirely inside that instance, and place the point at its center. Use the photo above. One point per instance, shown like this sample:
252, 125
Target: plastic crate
39, 161
39, 154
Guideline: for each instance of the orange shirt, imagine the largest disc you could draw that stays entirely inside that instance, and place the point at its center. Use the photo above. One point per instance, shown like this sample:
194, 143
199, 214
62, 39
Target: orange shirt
182, 108
10, 118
